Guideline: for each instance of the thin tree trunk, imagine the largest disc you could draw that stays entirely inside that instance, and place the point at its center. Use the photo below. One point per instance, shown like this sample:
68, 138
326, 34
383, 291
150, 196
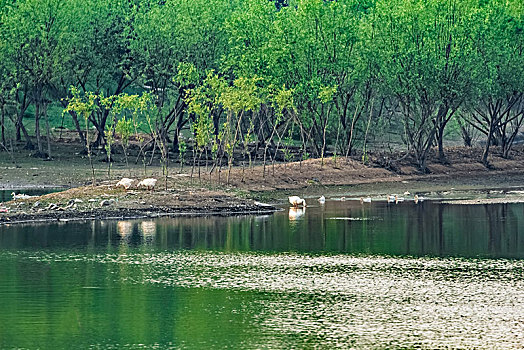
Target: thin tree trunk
440, 142
18, 136
352, 128
37, 127
194, 163
48, 132
3, 124
76, 123
89, 151
488, 144
29, 143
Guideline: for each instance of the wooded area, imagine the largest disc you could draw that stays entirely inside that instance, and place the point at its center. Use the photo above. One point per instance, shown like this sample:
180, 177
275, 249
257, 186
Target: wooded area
247, 76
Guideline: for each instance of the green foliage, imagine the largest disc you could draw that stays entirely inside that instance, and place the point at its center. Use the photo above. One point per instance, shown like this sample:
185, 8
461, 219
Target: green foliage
233, 70
83, 104
327, 93
124, 129
243, 95
182, 150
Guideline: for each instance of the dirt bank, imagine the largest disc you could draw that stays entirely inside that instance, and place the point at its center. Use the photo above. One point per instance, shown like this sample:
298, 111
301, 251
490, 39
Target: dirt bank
209, 194
107, 201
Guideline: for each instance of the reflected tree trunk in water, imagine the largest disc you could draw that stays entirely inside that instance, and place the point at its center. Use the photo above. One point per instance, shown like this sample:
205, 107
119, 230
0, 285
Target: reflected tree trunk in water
492, 213
440, 223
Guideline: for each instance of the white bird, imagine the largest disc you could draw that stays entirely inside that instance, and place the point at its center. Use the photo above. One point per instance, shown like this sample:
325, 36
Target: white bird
418, 199
342, 199
322, 200
365, 200
147, 183
125, 183
20, 196
296, 201
407, 193
398, 199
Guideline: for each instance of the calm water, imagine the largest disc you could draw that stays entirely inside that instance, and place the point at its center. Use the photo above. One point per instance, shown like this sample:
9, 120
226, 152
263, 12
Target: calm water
346, 275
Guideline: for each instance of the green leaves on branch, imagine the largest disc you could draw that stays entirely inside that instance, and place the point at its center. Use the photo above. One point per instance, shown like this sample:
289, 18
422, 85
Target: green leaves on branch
327, 93
83, 104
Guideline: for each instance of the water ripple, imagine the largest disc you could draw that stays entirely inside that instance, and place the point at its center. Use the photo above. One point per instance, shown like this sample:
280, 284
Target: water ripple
343, 300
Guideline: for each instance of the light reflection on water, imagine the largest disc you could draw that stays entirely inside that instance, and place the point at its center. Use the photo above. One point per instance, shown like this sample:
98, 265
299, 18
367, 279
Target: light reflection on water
396, 276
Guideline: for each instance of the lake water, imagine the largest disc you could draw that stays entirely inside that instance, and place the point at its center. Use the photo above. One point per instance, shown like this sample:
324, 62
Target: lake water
344, 275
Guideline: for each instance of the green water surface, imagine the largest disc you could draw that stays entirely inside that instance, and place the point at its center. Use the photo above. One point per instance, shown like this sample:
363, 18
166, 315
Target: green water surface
343, 275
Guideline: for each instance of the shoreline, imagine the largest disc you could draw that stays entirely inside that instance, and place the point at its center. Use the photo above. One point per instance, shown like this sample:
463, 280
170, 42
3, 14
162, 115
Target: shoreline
108, 202
42, 219
141, 204
464, 182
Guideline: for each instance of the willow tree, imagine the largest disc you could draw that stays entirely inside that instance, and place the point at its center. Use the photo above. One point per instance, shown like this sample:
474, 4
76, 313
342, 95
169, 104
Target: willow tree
84, 104
204, 104
96, 57
241, 98
425, 67
497, 107
165, 42
32, 32
125, 111
319, 46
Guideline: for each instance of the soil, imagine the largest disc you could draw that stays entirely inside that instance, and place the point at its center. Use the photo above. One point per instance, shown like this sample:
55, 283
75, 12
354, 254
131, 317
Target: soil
190, 195
108, 201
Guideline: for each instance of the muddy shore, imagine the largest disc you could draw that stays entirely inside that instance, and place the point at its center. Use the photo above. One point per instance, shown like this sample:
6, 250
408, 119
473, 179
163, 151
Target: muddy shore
461, 181
107, 201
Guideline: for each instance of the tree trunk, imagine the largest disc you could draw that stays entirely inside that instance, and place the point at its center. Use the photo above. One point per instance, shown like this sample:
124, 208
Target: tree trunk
48, 131
100, 140
18, 136
440, 142
3, 124
440, 123
29, 143
37, 127
179, 124
488, 144
76, 122
19, 125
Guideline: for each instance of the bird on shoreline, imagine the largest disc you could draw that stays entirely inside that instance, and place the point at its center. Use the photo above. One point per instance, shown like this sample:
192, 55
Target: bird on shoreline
20, 196
296, 201
322, 200
418, 198
147, 183
125, 183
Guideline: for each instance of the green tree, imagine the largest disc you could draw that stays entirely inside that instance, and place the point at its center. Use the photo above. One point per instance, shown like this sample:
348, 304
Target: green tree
497, 107
32, 32
84, 104
166, 45
425, 67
